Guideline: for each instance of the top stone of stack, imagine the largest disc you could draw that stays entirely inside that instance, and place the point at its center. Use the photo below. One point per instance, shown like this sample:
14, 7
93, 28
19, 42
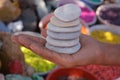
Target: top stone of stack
68, 12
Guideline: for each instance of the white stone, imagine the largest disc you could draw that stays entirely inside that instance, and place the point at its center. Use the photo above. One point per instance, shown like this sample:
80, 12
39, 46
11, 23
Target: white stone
66, 50
59, 29
57, 22
68, 12
63, 35
62, 43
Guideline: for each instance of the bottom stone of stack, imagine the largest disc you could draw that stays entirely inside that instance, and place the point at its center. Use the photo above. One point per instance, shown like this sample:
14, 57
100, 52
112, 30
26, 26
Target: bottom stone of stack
66, 50
62, 43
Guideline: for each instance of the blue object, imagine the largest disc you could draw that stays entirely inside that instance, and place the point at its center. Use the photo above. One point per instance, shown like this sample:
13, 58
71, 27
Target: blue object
92, 4
13, 77
3, 27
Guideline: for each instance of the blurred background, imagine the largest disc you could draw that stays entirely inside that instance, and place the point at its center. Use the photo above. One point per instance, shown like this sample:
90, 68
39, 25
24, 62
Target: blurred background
100, 19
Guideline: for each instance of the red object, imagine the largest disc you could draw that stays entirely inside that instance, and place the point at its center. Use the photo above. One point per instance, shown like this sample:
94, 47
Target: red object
57, 73
15, 67
103, 72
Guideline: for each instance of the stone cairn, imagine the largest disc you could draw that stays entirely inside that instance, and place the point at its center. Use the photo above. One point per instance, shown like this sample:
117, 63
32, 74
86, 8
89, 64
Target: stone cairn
64, 29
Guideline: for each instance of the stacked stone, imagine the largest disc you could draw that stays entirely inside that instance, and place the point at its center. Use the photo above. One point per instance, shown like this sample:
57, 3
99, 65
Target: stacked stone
64, 29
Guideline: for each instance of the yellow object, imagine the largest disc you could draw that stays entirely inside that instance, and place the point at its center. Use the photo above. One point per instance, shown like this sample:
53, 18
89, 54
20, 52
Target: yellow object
106, 36
39, 64
16, 4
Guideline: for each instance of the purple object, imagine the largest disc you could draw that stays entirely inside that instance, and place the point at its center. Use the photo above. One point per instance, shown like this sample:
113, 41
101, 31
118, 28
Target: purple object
111, 15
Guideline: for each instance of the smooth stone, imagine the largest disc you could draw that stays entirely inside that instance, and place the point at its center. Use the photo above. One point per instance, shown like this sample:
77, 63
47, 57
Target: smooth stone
68, 12
63, 35
57, 22
62, 43
59, 29
67, 50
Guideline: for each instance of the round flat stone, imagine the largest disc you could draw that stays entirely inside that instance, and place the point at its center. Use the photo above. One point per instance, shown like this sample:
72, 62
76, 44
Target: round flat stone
68, 12
62, 43
66, 50
59, 29
63, 35
57, 22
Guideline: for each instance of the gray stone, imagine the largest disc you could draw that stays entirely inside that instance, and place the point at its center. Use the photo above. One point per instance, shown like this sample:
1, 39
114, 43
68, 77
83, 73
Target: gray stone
63, 35
55, 21
68, 12
59, 29
66, 50
62, 43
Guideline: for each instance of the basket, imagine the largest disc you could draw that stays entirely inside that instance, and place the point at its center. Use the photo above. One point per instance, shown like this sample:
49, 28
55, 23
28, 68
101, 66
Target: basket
87, 15
105, 34
60, 72
105, 27
92, 3
102, 20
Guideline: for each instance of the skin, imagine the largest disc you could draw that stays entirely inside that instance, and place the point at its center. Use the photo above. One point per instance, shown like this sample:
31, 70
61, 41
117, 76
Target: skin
91, 52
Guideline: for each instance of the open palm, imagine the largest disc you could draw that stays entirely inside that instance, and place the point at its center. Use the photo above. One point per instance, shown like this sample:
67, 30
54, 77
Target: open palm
88, 54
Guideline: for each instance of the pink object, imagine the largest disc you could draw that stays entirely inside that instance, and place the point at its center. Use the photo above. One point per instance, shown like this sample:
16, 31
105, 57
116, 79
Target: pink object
15, 67
103, 72
2, 77
87, 15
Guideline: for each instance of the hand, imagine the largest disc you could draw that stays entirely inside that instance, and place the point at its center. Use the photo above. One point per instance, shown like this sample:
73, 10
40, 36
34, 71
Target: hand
88, 54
